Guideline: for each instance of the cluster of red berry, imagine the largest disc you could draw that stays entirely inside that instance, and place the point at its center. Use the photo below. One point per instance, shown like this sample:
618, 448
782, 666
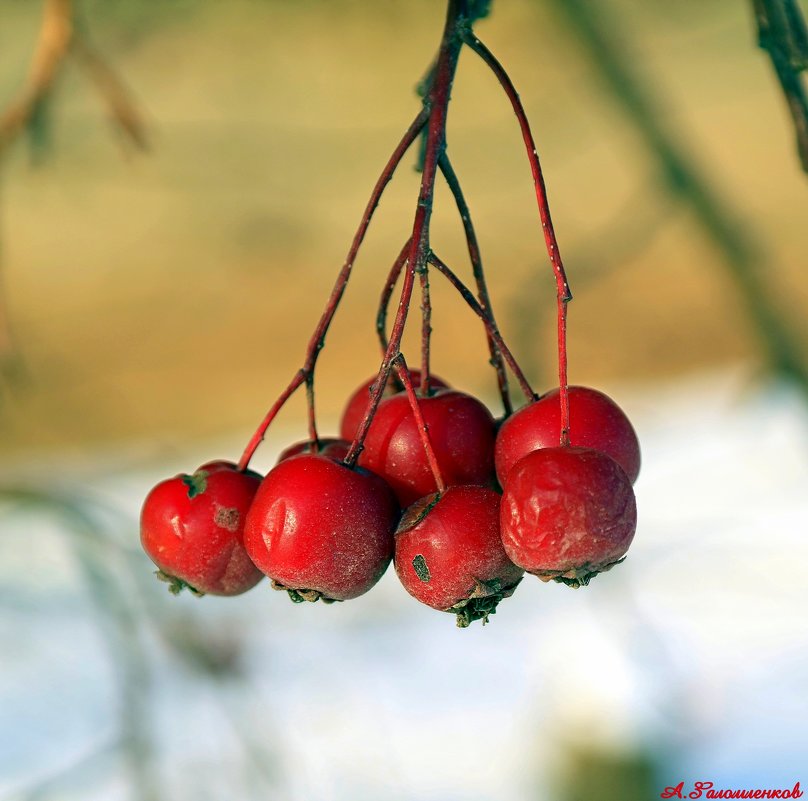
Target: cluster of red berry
422, 473
320, 529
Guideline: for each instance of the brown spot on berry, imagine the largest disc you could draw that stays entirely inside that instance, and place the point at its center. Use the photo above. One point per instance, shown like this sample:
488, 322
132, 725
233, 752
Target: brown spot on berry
227, 518
420, 567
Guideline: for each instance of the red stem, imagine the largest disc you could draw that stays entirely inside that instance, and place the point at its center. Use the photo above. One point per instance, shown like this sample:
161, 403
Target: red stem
479, 276
298, 379
562, 285
436, 106
318, 337
313, 438
490, 325
426, 331
387, 291
403, 374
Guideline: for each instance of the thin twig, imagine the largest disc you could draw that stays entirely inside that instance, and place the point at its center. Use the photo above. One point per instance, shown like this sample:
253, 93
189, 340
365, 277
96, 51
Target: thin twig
122, 110
387, 292
400, 366
436, 106
563, 294
479, 275
426, 330
490, 325
51, 49
317, 340
59, 37
782, 33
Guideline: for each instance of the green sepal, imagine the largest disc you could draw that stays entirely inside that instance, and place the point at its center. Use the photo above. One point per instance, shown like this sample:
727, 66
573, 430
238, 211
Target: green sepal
577, 576
481, 602
197, 483
298, 596
177, 585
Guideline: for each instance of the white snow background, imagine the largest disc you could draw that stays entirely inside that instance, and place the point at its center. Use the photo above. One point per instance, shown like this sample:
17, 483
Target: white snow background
695, 648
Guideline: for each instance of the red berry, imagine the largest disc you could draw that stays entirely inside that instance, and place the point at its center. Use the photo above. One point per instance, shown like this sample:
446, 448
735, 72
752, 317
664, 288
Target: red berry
320, 529
567, 514
336, 449
192, 529
461, 431
223, 464
358, 402
596, 421
449, 553
217, 464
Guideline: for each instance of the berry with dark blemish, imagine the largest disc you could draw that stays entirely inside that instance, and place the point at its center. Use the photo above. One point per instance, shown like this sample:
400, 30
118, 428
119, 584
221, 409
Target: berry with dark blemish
192, 527
449, 553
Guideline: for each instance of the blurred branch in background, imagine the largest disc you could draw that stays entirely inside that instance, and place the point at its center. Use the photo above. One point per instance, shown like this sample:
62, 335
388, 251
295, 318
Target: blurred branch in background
782, 33
128, 610
61, 34
27, 110
119, 626
595, 26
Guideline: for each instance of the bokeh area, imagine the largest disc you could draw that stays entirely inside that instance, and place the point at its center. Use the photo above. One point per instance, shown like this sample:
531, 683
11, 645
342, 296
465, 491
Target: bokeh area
156, 300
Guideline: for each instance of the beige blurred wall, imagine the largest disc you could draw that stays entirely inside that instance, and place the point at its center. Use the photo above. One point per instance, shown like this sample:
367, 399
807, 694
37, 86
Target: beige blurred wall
171, 295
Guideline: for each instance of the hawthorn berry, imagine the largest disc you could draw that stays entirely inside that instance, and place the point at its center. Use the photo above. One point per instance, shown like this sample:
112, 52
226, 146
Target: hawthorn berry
320, 529
192, 526
223, 464
596, 422
358, 402
449, 553
567, 514
336, 449
461, 430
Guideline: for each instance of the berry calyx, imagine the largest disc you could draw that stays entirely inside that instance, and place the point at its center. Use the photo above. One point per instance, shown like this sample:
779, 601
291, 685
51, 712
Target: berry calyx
567, 514
320, 529
358, 402
597, 422
192, 526
461, 431
449, 554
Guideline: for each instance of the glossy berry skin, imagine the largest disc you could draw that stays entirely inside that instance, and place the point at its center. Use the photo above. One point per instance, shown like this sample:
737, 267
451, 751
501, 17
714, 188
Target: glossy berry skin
320, 529
223, 464
358, 402
567, 514
461, 431
336, 449
596, 421
192, 526
449, 553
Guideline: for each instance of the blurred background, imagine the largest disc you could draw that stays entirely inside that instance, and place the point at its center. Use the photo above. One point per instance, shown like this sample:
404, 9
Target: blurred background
156, 300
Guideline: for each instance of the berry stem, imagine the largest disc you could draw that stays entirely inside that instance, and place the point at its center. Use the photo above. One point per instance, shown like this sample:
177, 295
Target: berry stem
564, 296
435, 107
426, 330
313, 438
490, 326
318, 337
403, 374
298, 379
387, 292
479, 275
